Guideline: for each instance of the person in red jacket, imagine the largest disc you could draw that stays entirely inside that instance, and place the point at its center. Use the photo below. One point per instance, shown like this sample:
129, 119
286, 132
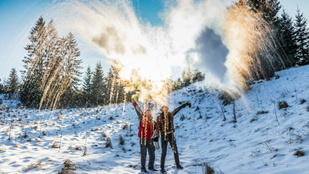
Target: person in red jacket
146, 129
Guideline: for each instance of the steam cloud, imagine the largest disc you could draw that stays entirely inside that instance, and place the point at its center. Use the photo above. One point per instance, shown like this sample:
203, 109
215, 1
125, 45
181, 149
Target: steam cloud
113, 29
212, 53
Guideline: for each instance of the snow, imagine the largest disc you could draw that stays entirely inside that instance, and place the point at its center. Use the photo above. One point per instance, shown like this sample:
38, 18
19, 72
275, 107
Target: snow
257, 143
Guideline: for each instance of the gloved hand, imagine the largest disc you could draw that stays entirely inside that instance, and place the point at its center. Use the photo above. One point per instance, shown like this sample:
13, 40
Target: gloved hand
189, 104
156, 139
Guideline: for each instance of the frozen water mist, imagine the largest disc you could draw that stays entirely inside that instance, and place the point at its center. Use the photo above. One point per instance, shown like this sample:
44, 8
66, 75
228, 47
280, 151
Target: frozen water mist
212, 54
113, 29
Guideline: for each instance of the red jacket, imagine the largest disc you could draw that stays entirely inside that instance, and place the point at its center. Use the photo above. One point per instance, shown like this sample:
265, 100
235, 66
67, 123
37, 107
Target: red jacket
146, 128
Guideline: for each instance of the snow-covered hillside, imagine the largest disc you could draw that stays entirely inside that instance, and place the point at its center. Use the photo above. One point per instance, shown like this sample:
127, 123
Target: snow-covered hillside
264, 139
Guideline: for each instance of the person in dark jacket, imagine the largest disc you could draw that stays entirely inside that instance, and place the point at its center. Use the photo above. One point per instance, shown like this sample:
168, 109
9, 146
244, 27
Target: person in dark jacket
165, 127
146, 129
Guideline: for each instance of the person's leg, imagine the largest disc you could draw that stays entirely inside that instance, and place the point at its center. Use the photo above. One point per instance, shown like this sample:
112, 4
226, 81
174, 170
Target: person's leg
172, 141
143, 153
163, 155
151, 152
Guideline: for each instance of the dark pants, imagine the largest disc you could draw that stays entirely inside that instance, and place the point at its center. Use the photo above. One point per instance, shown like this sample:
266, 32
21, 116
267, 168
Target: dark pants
148, 144
164, 140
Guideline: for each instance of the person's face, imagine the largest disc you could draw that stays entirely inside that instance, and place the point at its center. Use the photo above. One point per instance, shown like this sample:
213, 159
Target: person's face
164, 109
148, 114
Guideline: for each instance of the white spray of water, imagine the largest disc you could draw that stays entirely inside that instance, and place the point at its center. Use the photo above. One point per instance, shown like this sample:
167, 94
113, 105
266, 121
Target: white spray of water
190, 29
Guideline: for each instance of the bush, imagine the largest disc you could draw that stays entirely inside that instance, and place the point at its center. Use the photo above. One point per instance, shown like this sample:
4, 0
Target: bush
282, 105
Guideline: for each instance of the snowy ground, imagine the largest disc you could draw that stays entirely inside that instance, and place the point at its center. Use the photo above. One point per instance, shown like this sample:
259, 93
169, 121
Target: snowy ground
263, 140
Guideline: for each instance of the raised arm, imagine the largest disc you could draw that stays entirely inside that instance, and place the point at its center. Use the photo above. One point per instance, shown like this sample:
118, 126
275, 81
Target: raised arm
138, 110
175, 111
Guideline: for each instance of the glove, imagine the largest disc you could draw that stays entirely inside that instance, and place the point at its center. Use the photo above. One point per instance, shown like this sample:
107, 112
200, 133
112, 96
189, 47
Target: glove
156, 139
189, 104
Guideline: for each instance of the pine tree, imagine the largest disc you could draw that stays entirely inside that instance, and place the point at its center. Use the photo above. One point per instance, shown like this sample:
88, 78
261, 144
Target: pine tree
31, 91
52, 68
302, 39
286, 36
13, 82
87, 87
115, 86
269, 8
98, 86
187, 75
71, 70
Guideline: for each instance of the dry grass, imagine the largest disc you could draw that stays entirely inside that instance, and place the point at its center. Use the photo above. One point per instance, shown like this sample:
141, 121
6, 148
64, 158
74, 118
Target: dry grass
60, 117
36, 127
78, 148
36, 122
33, 166
125, 126
68, 168
55, 145
118, 121
95, 129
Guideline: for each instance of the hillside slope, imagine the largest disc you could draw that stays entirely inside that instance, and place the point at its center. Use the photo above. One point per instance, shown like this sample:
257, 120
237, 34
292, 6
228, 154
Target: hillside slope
263, 140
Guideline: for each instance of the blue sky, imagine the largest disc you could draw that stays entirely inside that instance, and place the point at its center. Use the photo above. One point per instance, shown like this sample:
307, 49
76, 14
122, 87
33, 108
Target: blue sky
18, 16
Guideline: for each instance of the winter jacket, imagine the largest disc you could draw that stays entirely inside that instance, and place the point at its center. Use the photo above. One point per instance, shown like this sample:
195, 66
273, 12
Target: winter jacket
167, 124
146, 127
